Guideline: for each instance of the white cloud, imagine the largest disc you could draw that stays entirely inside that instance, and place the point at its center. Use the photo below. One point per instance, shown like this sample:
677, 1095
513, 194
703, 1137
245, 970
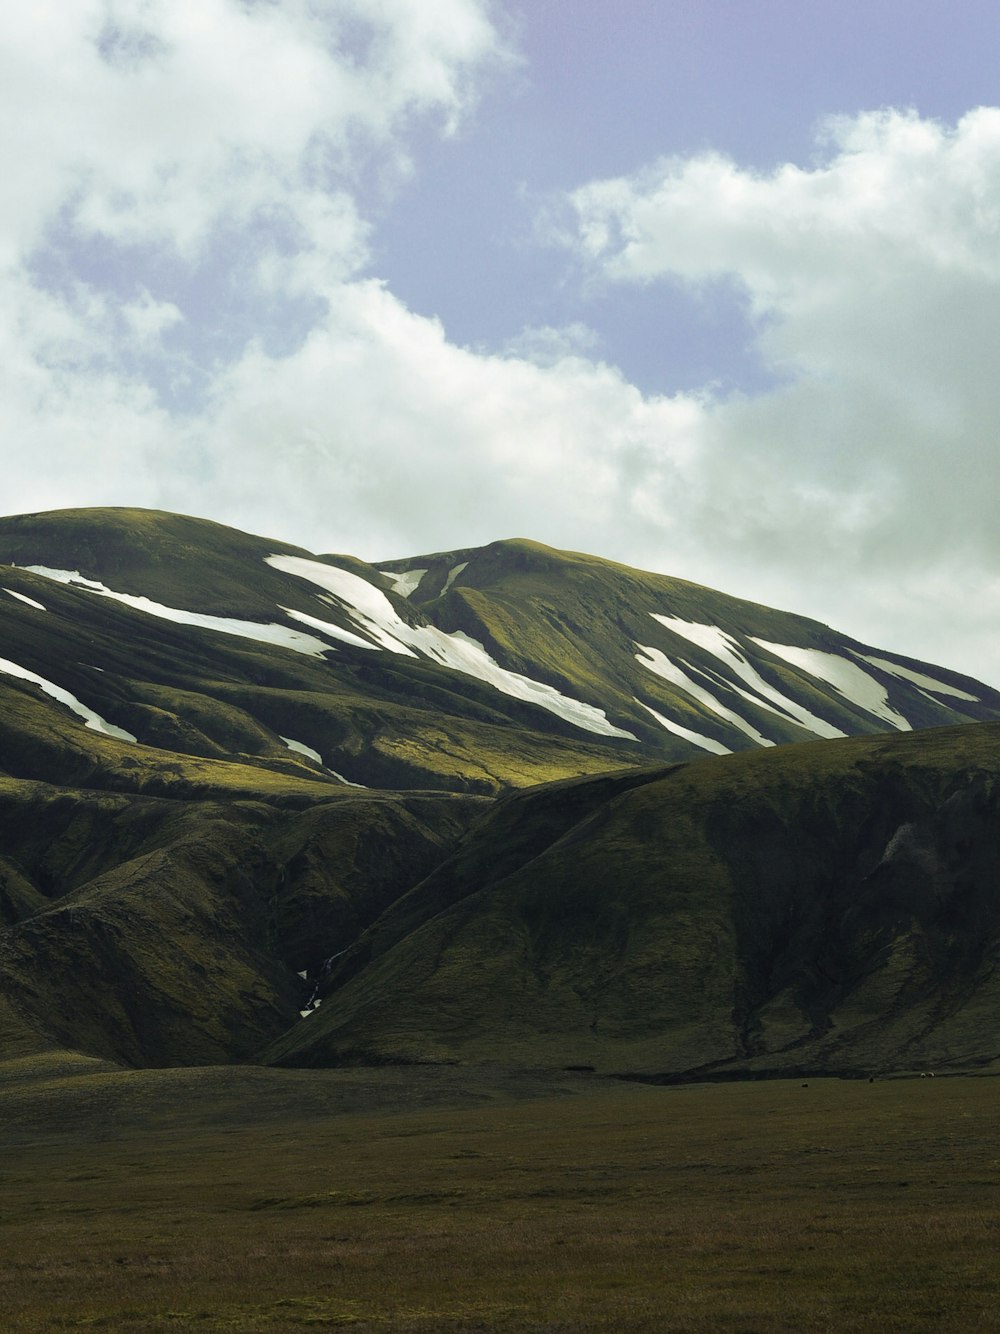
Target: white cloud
148, 318
874, 277
193, 166
207, 169
383, 437
545, 344
154, 118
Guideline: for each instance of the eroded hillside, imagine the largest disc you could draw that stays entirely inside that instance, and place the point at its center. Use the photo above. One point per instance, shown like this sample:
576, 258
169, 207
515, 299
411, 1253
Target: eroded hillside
482, 807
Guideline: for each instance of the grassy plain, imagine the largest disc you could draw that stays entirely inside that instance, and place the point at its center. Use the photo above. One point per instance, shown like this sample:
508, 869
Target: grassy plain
243, 1199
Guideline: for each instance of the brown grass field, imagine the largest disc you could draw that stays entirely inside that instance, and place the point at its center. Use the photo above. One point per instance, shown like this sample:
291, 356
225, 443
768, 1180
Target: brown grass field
243, 1199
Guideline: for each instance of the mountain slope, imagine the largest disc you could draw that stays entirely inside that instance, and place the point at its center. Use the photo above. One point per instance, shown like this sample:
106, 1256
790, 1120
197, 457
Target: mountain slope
478, 670
729, 672
830, 906
171, 930
189, 641
235, 776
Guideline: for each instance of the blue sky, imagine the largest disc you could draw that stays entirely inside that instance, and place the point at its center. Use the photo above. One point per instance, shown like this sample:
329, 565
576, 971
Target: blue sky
605, 89
708, 287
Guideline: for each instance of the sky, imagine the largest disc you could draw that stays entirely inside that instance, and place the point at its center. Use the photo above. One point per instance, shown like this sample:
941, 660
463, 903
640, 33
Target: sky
710, 287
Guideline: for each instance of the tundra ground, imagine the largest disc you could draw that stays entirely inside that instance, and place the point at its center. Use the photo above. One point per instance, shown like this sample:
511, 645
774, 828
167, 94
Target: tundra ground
242, 1199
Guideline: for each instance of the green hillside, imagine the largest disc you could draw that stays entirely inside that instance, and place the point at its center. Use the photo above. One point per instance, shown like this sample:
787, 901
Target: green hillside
164, 931
821, 907
465, 802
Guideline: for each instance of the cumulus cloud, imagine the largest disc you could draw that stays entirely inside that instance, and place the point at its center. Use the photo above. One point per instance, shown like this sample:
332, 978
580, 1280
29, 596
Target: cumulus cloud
192, 169
152, 118
412, 443
148, 319
546, 344
873, 280
190, 320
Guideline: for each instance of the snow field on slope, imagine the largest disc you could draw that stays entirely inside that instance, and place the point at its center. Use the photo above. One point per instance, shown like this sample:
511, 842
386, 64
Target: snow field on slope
404, 582
705, 742
852, 681
453, 574
917, 678
328, 628
724, 647
657, 662
281, 635
91, 719
23, 597
374, 615
300, 748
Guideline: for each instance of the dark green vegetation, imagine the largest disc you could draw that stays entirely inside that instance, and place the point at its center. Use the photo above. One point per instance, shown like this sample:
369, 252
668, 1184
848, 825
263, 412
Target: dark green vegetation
520, 904
824, 907
189, 693
827, 906
154, 930
417, 1201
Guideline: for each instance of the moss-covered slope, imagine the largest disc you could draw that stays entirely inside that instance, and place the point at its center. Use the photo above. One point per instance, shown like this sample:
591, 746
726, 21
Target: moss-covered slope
754, 675
480, 670
225, 762
159, 931
831, 906
375, 717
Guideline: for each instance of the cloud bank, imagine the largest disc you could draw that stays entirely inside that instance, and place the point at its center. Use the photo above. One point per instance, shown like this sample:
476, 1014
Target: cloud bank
872, 280
192, 318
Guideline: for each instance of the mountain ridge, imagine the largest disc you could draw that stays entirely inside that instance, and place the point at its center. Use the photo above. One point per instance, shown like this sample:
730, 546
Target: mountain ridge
500, 804
639, 665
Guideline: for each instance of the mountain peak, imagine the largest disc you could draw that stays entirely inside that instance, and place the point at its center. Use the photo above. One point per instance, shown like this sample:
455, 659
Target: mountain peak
227, 762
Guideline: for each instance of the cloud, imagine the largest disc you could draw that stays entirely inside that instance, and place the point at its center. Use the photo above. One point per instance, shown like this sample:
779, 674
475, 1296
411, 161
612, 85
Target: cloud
184, 178
873, 282
148, 319
383, 437
154, 119
191, 320
207, 163
545, 345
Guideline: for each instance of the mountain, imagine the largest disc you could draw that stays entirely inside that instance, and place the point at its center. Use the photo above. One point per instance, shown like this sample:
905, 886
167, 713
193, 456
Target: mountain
822, 907
472, 671
501, 804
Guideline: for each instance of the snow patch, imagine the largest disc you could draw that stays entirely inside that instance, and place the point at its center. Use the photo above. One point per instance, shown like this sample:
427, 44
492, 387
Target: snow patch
300, 748
92, 720
705, 742
65, 576
368, 607
374, 615
724, 647
847, 678
453, 574
328, 628
917, 678
23, 597
281, 635
657, 662
404, 582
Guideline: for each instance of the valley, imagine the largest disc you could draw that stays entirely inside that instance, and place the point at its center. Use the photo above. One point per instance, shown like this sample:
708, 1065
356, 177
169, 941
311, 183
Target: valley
414, 1201
494, 940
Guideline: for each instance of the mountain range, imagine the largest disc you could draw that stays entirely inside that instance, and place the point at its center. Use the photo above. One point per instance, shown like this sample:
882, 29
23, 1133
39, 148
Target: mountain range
505, 804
